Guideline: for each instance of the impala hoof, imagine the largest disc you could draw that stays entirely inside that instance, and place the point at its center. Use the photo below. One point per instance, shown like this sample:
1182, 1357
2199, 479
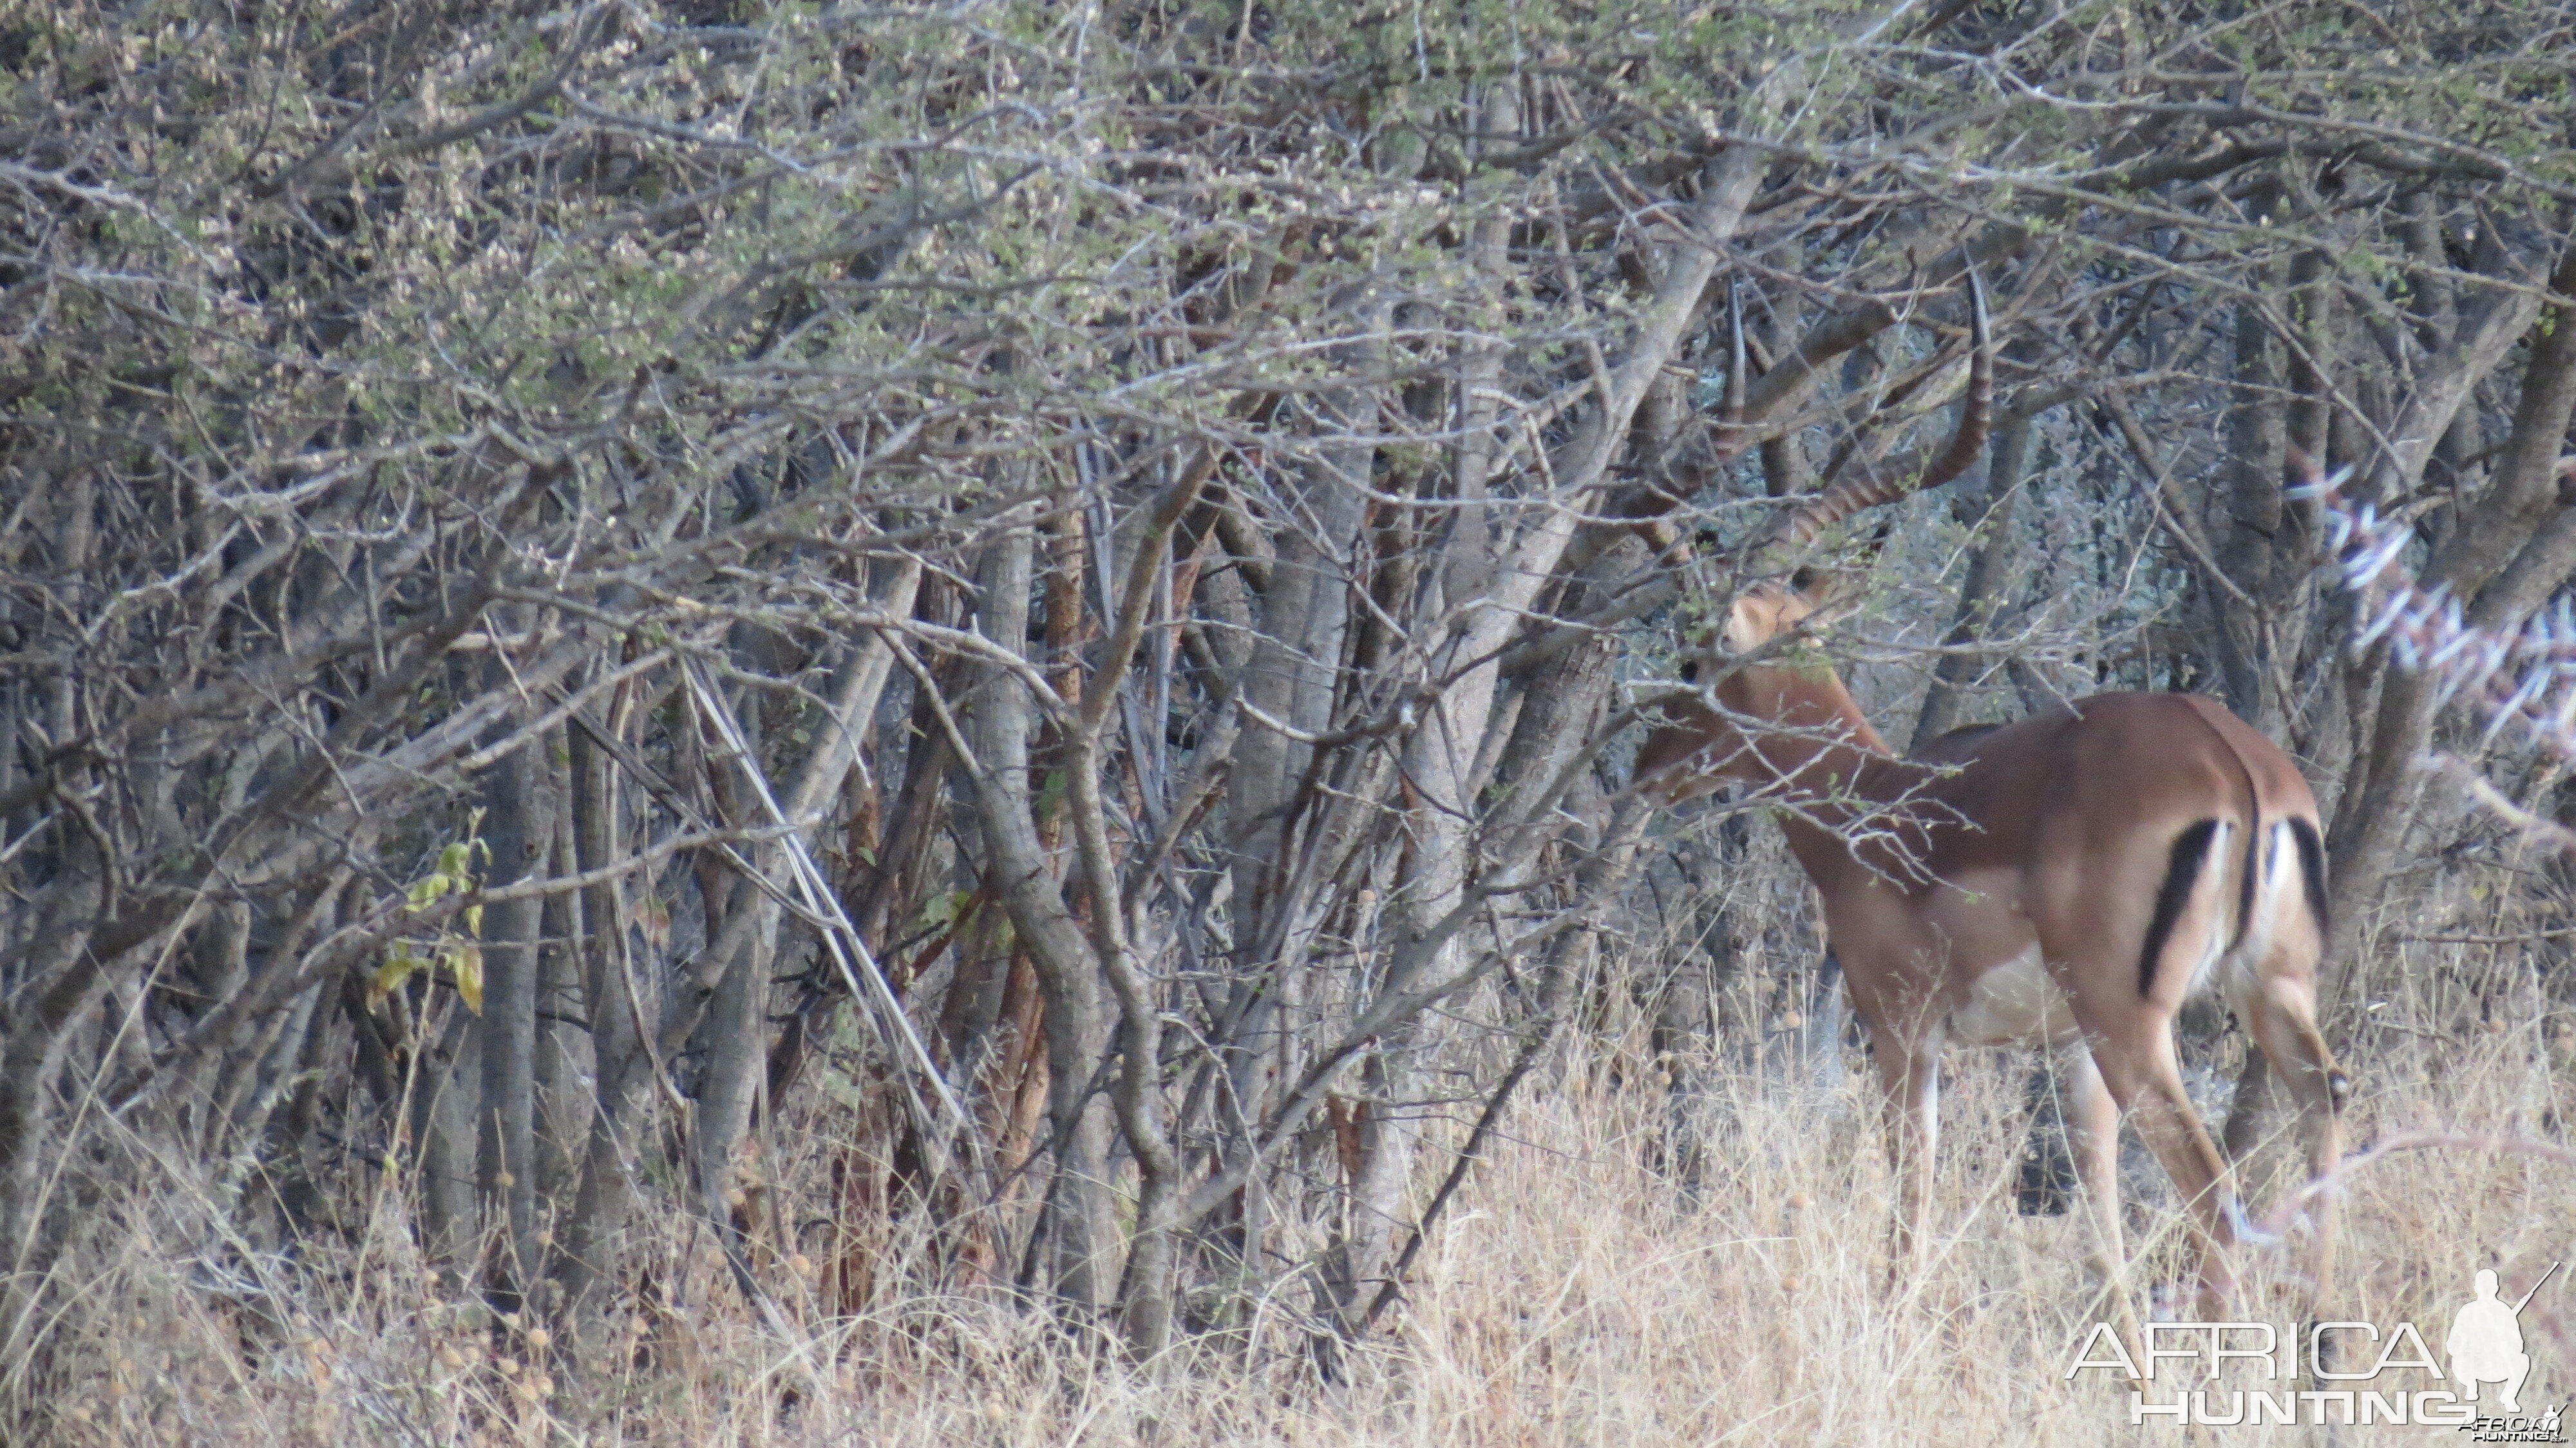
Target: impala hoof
2244, 1229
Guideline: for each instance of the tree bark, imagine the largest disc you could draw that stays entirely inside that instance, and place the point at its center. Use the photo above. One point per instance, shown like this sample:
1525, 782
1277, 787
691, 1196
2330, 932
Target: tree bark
2376, 808
519, 830
1077, 1222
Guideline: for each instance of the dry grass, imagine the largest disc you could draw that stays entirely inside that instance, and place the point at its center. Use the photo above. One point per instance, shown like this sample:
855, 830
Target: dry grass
1574, 1296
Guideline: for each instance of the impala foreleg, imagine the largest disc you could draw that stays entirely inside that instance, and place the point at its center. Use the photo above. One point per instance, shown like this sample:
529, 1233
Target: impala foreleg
2247, 1107
1909, 1076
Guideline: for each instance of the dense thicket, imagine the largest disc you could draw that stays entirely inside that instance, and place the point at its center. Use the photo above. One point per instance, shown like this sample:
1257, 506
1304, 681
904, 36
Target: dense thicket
1073, 579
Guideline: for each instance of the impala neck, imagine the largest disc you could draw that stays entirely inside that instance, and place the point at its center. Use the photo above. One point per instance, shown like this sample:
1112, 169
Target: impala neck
1824, 759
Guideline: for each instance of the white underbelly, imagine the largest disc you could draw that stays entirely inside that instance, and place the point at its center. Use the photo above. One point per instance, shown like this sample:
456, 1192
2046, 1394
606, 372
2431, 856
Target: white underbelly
2014, 1003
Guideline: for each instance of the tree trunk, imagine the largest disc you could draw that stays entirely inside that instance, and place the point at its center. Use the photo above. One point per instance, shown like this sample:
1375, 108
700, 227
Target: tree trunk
1990, 567
519, 829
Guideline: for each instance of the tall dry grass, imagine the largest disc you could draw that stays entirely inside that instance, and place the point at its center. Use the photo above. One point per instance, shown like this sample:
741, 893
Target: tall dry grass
1575, 1295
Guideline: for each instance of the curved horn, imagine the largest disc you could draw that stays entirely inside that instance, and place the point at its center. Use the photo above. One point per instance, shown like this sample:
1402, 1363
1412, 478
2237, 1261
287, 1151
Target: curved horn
1727, 441
1875, 490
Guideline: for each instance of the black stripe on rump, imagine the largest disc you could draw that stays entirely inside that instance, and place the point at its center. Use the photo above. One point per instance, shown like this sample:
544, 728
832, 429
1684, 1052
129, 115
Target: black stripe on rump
2253, 874
2189, 849
2312, 869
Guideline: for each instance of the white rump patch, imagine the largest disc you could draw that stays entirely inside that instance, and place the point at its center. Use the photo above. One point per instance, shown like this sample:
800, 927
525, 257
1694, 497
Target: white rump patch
2213, 885
2279, 875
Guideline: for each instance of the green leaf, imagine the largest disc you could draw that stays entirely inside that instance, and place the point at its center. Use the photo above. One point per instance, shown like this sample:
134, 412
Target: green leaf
944, 909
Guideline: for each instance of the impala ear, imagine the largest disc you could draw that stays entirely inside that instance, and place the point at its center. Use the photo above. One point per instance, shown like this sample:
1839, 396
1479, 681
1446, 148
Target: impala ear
1820, 588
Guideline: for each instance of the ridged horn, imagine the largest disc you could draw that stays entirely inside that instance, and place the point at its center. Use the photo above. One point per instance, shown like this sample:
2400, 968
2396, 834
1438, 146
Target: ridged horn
1727, 441
1873, 489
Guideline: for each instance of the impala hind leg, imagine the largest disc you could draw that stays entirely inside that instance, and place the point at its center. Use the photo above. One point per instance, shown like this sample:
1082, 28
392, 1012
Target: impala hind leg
2093, 1139
2134, 1051
2278, 1009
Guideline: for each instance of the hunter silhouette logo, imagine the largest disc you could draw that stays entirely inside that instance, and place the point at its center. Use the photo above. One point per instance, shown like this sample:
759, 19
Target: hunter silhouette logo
2486, 1341
2389, 1375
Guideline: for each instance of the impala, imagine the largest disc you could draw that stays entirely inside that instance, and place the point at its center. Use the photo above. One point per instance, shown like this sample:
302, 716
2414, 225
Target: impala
2071, 877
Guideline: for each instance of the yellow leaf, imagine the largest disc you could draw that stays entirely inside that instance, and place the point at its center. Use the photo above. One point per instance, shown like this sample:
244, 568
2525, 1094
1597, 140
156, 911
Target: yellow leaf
398, 966
467, 962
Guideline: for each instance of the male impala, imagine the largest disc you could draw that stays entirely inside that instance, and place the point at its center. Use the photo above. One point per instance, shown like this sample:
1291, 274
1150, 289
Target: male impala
2073, 876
